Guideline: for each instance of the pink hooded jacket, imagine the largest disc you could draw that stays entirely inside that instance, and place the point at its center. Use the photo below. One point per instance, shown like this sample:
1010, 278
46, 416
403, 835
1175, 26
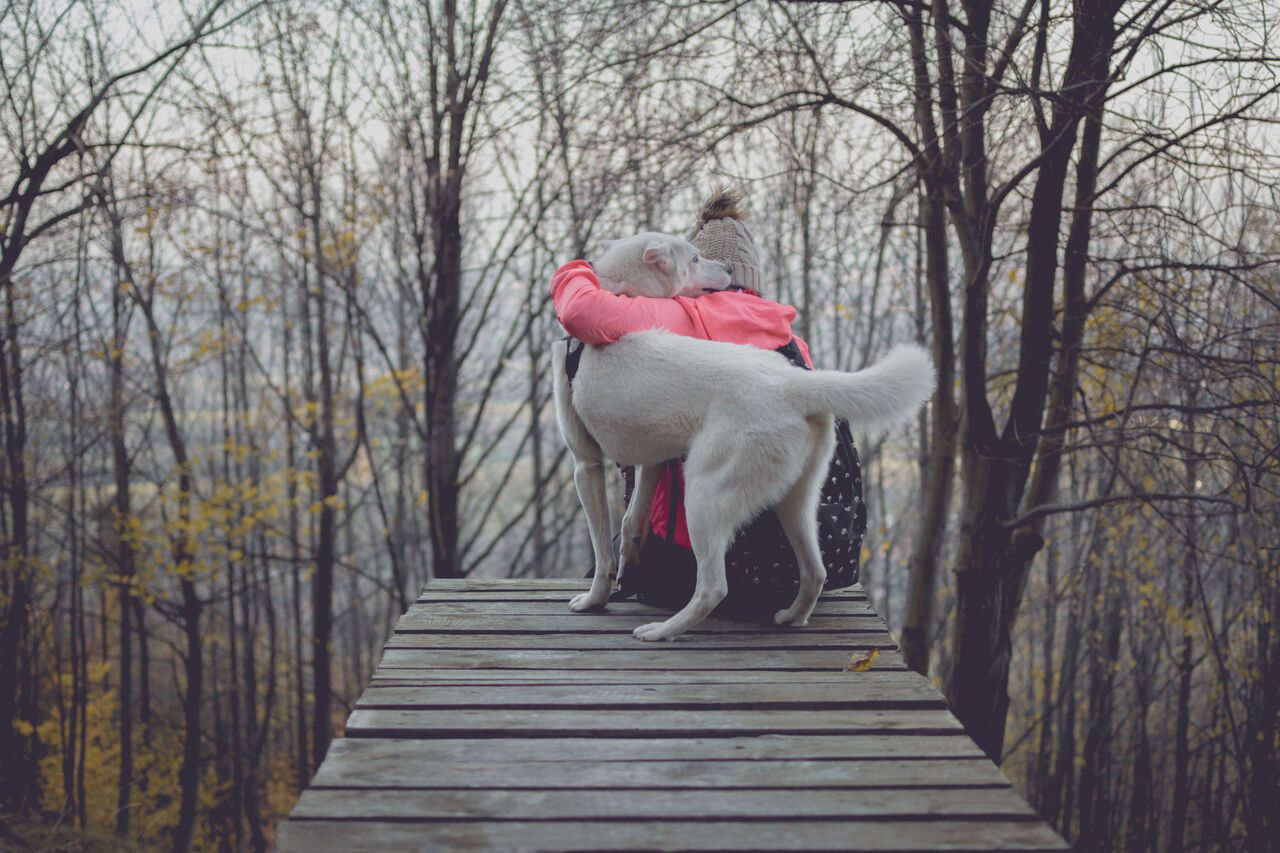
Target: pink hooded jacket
596, 316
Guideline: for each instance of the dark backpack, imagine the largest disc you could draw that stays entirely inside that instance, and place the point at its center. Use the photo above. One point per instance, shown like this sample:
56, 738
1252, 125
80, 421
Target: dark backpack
760, 565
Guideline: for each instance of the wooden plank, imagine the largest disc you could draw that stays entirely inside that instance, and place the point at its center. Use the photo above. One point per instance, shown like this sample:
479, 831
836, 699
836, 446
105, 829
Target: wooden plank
558, 609
886, 835
914, 693
353, 759
564, 593
517, 677
563, 597
577, 623
661, 656
646, 804
876, 775
541, 585
869, 680
539, 722
858, 639
504, 584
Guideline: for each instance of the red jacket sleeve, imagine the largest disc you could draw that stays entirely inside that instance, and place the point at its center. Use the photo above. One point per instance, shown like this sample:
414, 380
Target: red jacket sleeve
597, 316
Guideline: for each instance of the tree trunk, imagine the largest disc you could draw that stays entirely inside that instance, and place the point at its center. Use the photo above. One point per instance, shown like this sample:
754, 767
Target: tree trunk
944, 421
183, 564
441, 369
1137, 828
183, 557
1039, 776
189, 773
460, 53
302, 762
1095, 798
144, 677
18, 781
1059, 801
1263, 780
251, 592
976, 684
1182, 716
995, 559
322, 613
324, 443
124, 561
73, 757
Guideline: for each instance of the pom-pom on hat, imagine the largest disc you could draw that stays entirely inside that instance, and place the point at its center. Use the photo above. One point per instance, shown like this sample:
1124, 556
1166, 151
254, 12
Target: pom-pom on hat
721, 235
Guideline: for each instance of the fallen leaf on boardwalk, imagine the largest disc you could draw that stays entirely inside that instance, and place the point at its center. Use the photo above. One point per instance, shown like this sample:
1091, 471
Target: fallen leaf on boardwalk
862, 664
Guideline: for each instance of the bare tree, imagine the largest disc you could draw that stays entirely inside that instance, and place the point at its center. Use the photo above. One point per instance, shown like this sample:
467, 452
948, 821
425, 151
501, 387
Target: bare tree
47, 180
437, 124
1010, 440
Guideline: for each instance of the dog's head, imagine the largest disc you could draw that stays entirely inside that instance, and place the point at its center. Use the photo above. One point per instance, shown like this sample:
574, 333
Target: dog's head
652, 264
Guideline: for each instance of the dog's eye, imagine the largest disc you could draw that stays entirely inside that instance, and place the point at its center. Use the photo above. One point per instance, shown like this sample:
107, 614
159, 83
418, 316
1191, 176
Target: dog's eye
695, 260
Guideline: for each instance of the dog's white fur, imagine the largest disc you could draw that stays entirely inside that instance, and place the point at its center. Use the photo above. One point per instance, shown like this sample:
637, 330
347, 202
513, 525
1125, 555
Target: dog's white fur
756, 431
652, 264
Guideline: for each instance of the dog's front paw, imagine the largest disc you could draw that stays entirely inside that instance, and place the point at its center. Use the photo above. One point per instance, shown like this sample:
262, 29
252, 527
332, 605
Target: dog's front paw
790, 619
653, 632
587, 601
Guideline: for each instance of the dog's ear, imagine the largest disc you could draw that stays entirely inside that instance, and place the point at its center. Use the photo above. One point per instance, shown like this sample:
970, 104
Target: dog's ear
659, 255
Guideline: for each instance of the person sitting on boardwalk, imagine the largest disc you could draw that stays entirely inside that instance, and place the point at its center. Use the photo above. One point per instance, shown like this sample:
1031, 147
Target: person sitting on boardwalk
760, 565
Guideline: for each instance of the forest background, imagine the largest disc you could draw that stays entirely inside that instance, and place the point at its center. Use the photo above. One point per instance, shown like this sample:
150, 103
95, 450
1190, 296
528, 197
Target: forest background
274, 351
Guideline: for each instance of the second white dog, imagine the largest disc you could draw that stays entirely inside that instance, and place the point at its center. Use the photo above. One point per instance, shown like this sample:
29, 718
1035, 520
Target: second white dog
756, 432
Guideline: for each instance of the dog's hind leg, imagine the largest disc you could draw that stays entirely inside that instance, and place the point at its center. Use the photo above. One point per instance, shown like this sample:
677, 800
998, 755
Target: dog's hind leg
798, 513
716, 504
727, 481
637, 515
709, 539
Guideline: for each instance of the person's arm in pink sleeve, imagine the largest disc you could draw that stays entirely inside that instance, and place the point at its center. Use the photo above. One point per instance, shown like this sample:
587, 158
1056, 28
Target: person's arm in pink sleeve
597, 316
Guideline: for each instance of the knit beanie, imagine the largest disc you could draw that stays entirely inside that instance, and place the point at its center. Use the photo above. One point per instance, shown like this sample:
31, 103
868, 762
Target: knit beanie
721, 235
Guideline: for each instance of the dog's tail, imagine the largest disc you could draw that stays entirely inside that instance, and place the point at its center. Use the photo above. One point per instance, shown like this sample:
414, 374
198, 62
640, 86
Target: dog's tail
874, 398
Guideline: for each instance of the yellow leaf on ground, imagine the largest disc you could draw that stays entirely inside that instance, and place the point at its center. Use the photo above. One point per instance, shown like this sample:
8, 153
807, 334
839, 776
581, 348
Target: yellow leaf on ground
862, 664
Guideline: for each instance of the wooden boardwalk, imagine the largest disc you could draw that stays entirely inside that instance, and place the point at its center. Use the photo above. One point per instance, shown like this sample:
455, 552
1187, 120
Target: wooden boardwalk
497, 720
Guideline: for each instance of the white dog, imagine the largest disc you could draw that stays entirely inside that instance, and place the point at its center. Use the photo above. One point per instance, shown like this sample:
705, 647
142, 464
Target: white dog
756, 431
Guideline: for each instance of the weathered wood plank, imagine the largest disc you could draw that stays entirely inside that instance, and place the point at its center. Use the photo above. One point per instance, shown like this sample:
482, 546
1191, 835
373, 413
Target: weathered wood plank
564, 594
746, 641
559, 609
579, 623
541, 722
887, 835
573, 677
880, 774
646, 804
504, 584
542, 584
869, 680
354, 759
914, 693
661, 656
